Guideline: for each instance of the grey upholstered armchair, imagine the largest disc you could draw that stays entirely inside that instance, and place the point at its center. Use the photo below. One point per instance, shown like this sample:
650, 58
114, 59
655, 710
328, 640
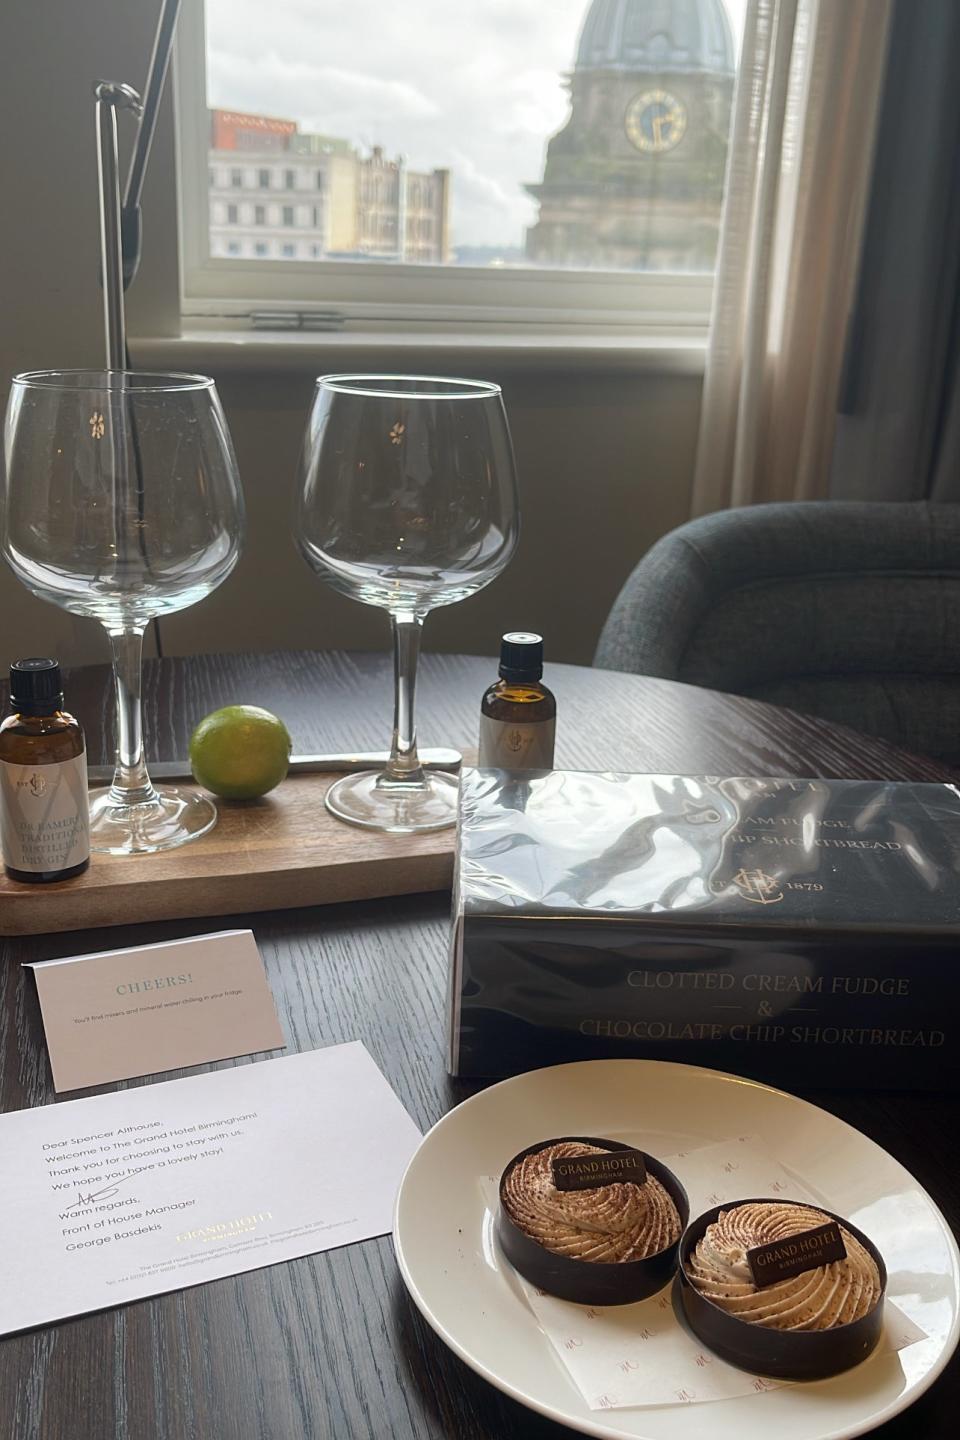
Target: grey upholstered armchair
846, 610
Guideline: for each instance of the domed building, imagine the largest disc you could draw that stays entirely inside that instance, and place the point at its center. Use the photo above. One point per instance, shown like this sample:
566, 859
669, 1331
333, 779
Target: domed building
634, 180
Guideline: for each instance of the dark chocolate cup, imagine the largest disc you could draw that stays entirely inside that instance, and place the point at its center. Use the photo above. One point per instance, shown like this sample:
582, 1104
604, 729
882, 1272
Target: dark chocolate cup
591, 1282
784, 1354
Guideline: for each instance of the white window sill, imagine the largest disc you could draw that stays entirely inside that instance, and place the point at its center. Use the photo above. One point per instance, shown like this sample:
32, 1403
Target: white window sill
227, 349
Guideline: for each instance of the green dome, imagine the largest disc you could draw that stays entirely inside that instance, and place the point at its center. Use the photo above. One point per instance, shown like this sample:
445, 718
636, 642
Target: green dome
656, 36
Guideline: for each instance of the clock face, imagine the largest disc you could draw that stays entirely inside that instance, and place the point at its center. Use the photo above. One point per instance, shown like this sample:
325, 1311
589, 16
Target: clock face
655, 121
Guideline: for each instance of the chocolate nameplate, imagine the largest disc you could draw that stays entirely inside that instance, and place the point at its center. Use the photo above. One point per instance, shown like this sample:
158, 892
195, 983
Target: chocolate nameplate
587, 1172
782, 1259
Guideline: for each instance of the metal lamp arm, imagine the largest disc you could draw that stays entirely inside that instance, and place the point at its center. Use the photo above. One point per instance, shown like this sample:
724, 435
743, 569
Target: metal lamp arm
130, 217
120, 225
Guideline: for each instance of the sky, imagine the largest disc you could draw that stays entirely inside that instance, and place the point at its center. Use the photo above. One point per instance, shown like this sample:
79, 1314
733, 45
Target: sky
473, 86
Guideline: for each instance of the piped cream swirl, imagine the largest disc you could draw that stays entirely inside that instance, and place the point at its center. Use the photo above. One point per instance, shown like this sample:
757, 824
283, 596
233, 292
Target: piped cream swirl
607, 1223
820, 1299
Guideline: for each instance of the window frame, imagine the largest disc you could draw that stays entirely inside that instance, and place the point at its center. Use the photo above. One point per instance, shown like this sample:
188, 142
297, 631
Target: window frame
402, 296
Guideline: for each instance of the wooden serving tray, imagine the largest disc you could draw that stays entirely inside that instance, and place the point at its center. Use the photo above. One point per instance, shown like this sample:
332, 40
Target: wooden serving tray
271, 854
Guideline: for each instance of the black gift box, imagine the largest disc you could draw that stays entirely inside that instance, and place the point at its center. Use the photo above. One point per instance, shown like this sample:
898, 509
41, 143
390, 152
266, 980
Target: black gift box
800, 931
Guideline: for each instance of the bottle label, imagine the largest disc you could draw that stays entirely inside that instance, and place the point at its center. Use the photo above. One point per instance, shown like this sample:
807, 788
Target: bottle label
44, 815
508, 746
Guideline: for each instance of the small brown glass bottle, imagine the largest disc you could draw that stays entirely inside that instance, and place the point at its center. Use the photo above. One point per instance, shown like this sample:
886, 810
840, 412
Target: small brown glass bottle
518, 714
44, 815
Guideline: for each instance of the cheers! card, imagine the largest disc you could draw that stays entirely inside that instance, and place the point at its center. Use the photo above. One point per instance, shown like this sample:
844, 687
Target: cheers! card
122, 1013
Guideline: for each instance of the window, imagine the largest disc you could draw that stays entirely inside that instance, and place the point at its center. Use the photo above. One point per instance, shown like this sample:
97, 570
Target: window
288, 214
260, 218
261, 248
233, 247
288, 251
236, 179
561, 161
232, 214
317, 217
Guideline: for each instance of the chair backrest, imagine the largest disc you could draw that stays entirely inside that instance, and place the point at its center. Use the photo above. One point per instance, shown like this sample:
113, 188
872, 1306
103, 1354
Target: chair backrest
848, 610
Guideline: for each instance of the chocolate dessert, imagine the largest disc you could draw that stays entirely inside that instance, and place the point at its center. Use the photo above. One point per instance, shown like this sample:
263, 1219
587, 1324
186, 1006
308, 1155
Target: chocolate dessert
609, 1240
605, 1223
818, 1299
782, 1287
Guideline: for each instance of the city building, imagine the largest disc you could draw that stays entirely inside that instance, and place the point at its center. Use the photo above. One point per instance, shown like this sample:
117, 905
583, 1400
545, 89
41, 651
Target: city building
634, 180
279, 194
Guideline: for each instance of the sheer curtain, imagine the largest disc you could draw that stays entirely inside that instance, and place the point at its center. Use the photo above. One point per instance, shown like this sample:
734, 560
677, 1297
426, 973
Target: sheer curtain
800, 150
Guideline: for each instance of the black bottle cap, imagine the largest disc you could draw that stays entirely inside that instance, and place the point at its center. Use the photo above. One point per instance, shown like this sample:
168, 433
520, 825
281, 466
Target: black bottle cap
521, 656
35, 686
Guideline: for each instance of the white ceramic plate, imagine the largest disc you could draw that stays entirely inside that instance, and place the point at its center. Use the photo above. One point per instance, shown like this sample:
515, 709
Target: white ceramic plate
443, 1235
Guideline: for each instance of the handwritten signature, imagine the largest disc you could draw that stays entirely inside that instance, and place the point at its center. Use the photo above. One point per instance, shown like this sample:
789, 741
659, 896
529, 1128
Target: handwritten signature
103, 1194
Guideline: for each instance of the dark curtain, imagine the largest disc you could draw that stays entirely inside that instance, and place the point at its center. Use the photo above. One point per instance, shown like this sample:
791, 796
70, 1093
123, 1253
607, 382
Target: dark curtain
898, 430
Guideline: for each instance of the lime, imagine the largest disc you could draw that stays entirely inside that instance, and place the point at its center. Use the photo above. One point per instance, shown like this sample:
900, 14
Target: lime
240, 752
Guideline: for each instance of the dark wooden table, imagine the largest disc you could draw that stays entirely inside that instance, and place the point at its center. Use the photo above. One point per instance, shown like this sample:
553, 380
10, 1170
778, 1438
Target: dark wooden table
330, 1345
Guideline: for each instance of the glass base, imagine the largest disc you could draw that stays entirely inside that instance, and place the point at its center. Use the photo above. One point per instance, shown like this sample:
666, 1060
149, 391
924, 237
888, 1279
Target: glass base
173, 818
370, 800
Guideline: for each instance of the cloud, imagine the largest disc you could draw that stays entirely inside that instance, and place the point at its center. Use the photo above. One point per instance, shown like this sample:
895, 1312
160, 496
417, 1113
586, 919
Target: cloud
299, 84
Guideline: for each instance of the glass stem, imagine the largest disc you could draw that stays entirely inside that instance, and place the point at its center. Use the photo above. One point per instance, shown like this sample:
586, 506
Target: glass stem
403, 767
131, 783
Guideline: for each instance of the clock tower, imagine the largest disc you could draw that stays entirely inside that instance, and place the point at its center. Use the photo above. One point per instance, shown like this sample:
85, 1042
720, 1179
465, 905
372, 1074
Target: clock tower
634, 180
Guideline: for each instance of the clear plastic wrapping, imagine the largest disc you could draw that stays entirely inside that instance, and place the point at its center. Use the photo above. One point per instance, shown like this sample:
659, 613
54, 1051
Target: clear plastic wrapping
792, 929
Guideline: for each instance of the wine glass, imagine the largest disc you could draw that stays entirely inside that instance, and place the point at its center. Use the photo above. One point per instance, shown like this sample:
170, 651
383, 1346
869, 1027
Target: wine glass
407, 499
122, 503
